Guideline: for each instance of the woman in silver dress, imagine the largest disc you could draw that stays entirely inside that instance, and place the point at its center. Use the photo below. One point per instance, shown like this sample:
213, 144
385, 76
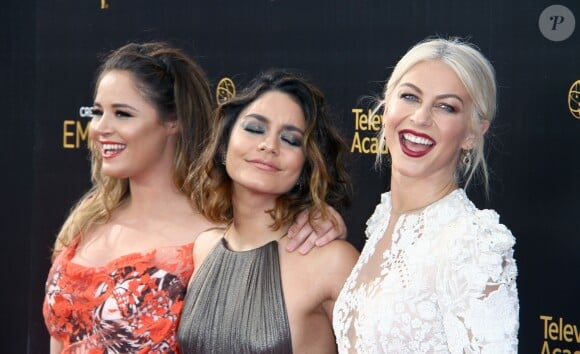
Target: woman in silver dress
273, 153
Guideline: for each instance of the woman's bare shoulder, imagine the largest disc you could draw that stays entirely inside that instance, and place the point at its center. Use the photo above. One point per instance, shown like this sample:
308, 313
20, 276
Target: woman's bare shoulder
209, 237
338, 256
205, 242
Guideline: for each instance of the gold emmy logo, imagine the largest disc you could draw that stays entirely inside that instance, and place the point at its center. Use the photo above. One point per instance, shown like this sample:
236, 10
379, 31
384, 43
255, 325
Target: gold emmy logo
104, 4
225, 90
574, 99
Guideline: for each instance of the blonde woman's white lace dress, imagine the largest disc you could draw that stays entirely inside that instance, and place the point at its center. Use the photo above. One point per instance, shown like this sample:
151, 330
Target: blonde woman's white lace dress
446, 283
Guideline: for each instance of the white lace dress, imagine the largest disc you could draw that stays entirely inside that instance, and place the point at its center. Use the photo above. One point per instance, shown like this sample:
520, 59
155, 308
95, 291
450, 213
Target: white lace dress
445, 284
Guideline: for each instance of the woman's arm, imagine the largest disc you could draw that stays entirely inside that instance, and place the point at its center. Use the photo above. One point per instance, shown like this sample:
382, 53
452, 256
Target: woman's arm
337, 266
55, 346
476, 287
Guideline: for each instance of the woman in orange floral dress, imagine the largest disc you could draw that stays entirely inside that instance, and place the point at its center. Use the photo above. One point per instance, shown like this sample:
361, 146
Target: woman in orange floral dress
123, 258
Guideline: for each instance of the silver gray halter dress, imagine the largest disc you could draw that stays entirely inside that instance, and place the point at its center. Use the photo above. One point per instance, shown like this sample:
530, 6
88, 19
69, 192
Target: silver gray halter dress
235, 304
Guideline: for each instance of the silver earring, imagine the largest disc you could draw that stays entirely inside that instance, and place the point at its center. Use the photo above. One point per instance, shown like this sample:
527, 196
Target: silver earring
224, 158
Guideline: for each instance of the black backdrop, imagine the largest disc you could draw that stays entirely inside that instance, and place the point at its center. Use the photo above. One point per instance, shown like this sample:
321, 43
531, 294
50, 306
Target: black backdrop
50, 49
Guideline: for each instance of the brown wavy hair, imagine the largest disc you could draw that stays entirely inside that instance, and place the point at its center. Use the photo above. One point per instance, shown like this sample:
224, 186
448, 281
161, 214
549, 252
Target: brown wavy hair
323, 180
177, 87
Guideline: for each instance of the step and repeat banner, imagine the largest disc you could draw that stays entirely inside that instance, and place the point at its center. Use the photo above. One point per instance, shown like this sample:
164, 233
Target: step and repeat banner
348, 49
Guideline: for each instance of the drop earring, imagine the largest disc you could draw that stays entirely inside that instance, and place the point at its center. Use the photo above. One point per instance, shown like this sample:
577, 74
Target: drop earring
466, 159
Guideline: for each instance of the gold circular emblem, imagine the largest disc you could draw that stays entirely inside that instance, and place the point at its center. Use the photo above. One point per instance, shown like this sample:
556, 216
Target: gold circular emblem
225, 90
574, 99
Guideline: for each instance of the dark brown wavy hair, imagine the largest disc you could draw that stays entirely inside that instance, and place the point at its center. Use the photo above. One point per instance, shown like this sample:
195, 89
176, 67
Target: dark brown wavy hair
323, 180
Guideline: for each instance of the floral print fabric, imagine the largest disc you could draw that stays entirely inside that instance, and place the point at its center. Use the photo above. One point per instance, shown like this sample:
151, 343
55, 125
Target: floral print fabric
130, 305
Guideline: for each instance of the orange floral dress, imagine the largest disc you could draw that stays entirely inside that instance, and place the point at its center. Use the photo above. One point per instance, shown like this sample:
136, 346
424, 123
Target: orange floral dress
130, 305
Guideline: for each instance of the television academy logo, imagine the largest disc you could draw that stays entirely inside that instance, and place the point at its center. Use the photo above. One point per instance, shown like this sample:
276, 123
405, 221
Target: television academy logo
75, 132
226, 89
104, 4
574, 99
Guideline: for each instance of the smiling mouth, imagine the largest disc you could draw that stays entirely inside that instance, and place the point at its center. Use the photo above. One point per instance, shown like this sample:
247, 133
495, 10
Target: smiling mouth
264, 166
415, 146
112, 150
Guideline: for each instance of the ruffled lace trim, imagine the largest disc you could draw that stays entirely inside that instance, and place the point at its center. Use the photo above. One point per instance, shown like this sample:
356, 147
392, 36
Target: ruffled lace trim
446, 285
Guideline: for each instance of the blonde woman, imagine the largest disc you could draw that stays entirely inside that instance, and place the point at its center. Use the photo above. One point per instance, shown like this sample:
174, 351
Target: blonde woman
436, 275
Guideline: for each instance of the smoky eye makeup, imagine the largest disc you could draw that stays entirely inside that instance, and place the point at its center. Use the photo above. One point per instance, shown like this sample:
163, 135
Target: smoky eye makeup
253, 126
258, 124
292, 138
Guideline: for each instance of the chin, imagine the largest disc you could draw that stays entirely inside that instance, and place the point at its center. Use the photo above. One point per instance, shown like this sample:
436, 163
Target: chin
114, 174
408, 170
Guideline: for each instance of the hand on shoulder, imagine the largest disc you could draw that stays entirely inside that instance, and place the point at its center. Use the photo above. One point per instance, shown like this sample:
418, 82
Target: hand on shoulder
328, 265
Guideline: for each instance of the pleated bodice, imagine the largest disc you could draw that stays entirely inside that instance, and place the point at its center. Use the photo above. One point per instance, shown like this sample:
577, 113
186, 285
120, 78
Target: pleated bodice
235, 304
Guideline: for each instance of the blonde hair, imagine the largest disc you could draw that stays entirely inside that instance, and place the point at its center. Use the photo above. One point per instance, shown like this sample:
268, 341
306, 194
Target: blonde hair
477, 75
177, 87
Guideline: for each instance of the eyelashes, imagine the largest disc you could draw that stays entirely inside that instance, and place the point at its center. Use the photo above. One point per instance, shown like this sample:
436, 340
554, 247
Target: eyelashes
410, 97
447, 107
254, 128
259, 129
97, 113
291, 139
123, 114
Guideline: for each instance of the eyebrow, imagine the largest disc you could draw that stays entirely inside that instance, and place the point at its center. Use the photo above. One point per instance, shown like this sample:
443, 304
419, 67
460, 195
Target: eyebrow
265, 120
448, 95
118, 105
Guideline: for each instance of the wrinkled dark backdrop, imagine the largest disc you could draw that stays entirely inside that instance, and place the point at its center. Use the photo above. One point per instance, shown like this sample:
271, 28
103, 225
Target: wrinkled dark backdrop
50, 50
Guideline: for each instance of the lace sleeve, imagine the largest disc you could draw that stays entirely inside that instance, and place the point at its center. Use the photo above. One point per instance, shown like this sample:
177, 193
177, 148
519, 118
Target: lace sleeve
376, 224
476, 286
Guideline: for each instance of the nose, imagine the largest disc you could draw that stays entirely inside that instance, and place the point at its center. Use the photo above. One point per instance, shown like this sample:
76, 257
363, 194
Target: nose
269, 144
101, 124
422, 116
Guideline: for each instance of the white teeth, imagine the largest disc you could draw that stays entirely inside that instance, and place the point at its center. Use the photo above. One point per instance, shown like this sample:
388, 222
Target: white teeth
417, 140
114, 147
111, 149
